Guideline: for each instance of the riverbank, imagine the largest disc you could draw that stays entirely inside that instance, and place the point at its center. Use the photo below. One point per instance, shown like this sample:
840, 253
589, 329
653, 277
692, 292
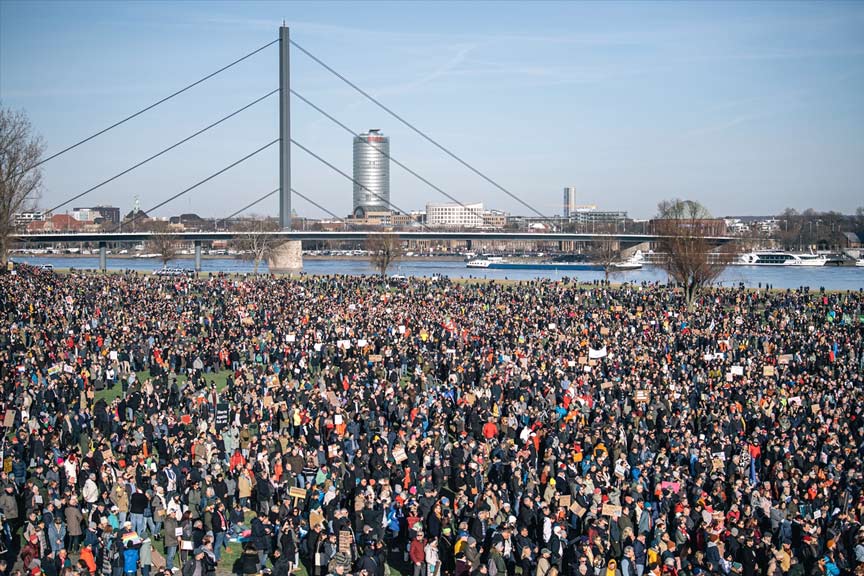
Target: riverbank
751, 277
419, 258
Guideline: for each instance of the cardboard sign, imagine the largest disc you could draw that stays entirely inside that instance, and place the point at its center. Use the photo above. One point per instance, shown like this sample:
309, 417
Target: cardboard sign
346, 540
332, 398
376, 358
316, 517
583, 360
604, 331
470, 399
611, 510
157, 559
297, 493
9, 419
737, 370
641, 395
564, 501
768, 370
607, 385
399, 454
578, 510
784, 359
222, 412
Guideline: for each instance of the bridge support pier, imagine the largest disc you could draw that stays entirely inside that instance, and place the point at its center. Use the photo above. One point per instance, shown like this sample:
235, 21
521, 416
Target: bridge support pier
197, 256
286, 258
103, 256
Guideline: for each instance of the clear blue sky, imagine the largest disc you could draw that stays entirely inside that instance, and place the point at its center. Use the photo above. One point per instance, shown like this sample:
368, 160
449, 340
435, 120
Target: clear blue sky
746, 107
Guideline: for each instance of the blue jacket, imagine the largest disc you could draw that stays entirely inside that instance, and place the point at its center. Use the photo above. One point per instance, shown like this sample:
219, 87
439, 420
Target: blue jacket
130, 560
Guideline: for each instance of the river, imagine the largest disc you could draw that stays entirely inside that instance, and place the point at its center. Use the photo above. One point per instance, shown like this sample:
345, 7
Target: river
829, 277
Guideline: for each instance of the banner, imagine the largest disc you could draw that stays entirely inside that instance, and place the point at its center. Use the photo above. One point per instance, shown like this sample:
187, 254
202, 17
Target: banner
594, 354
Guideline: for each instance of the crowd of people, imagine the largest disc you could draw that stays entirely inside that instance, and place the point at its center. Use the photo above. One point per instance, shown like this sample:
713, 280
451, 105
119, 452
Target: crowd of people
344, 425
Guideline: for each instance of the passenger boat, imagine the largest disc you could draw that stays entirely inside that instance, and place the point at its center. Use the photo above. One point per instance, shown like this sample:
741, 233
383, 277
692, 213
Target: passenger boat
777, 258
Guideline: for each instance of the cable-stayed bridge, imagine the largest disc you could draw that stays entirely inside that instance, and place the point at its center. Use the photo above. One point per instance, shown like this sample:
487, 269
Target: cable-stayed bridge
288, 255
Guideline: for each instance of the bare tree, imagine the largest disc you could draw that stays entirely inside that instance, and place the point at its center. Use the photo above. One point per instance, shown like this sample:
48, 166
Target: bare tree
605, 250
20, 175
161, 242
690, 259
384, 250
256, 245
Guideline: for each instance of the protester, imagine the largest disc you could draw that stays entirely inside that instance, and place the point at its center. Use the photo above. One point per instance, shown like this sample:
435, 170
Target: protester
439, 428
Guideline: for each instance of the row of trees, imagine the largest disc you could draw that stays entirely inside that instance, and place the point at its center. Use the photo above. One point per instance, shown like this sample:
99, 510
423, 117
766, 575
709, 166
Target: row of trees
795, 230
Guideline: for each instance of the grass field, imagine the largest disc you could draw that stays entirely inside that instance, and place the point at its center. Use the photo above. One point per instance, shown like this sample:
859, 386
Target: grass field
220, 378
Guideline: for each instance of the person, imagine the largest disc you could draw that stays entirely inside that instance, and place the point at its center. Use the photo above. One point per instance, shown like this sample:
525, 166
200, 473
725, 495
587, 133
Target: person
417, 554
248, 562
171, 540
145, 556
544, 563
431, 558
496, 565
281, 565
628, 562
130, 559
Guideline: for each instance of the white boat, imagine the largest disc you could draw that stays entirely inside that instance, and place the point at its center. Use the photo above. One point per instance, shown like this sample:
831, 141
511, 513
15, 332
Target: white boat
632, 263
485, 261
777, 258
859, 263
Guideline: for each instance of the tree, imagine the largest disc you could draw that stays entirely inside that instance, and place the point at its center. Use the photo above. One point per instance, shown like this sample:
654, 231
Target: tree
161, 242
384, 249
683, 227
20, 176
606, 250
256, 245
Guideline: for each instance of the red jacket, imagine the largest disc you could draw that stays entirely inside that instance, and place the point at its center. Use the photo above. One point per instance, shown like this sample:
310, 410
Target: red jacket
417, 551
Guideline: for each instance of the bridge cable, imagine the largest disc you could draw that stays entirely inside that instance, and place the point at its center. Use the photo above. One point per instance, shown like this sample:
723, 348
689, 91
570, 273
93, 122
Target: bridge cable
389, 157
160, 153
418, 131
335, 169
250, 205
151, 106
199, 183
322, 208
271, 193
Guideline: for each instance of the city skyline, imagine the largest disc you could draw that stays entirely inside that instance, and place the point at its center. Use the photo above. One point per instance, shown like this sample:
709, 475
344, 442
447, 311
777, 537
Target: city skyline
747, 108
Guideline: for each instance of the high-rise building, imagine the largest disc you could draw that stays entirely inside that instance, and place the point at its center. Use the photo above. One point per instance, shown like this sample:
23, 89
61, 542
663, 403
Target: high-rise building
569, 201
371, 173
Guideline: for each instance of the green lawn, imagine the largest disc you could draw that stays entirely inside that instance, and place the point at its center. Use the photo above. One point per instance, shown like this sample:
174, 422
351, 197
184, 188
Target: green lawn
220, 378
